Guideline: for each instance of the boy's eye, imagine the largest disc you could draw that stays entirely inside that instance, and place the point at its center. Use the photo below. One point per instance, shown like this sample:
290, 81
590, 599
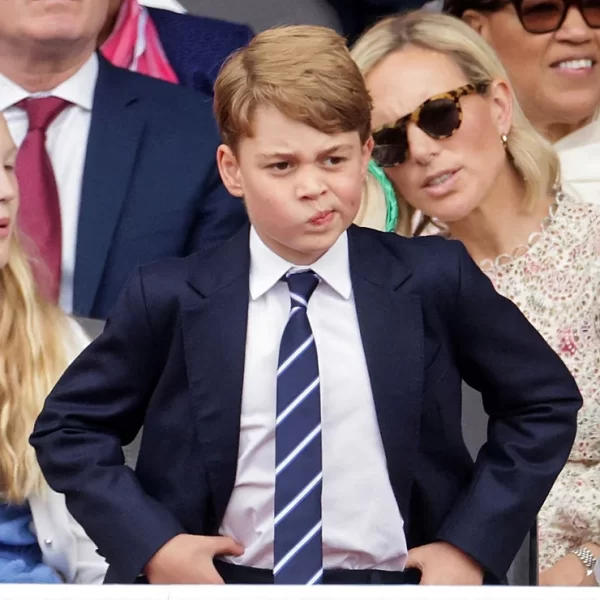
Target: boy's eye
279, 166
335, 160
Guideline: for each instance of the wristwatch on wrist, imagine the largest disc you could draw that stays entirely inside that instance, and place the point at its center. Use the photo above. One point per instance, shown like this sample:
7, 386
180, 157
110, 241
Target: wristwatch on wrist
586, 557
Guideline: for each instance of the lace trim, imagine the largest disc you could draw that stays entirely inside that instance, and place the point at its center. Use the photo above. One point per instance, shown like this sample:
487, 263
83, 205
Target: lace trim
489, 265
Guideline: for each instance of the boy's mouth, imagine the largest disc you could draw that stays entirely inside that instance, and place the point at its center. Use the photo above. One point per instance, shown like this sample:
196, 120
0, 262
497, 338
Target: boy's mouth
322, 217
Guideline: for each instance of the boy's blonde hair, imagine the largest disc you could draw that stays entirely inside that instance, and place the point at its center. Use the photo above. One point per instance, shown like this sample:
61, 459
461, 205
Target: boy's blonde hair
531, 154
306, 72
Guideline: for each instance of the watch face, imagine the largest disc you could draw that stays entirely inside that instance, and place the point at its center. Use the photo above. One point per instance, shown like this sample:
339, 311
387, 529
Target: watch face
597, 571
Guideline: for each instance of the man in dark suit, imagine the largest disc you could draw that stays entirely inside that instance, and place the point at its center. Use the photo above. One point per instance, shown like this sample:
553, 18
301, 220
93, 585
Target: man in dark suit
128, 171
300, 384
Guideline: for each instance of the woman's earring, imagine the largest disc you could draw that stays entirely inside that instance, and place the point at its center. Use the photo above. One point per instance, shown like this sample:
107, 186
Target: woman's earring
504, 139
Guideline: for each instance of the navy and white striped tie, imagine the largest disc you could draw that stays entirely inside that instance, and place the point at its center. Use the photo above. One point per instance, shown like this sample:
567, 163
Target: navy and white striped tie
298, 551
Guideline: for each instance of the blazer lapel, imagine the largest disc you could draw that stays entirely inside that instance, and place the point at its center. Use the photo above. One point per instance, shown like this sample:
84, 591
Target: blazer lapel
214, 321
115, 134
391, 327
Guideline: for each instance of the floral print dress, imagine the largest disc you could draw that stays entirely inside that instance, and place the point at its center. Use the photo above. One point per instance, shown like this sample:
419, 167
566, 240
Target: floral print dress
555, 281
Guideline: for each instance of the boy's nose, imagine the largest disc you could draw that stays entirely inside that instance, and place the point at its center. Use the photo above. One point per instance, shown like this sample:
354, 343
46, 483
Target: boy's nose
310, 186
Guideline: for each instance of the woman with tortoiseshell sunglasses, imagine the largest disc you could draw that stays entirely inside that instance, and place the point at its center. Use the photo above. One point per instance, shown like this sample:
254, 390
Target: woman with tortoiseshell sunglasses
453, 145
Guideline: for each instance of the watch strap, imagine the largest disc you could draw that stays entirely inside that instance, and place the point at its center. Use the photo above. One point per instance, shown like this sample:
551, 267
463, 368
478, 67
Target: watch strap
586, 557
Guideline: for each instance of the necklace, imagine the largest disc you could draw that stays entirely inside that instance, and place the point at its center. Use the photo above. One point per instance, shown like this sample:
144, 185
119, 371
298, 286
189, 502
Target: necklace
490, 265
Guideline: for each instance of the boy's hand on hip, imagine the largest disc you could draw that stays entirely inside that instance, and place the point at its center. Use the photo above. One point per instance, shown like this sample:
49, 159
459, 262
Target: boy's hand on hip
441, 563
188, 559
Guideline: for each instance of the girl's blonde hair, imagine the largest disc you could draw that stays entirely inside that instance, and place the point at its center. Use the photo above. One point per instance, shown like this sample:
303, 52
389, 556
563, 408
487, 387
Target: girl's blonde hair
34, 336
533, 157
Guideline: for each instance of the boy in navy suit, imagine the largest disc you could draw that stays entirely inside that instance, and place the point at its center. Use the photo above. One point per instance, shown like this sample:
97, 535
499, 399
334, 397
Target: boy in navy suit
300, 385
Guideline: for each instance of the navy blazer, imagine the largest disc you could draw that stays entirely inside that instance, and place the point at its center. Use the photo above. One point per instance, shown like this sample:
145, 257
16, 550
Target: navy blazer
150, 188
172, 358
197, 46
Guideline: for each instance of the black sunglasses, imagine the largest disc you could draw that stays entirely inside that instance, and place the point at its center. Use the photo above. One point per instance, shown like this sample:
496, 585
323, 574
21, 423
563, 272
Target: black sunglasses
439, 117
546, 16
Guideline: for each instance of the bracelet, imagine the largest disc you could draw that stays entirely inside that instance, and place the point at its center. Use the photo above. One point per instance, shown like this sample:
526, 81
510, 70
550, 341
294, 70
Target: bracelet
586, 557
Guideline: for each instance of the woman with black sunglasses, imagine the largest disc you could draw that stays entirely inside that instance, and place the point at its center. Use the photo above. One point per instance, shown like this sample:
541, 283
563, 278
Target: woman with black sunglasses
453, 145
551, 51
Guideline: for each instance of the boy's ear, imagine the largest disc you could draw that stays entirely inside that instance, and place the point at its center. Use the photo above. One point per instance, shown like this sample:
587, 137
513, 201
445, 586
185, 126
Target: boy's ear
229, 170
366, 154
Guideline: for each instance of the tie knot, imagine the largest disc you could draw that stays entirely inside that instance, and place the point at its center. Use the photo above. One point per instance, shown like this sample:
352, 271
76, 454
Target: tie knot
302, 284
42, 111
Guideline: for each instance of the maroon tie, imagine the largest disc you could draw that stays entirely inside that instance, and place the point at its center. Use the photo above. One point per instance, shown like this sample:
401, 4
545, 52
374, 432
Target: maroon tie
39, 214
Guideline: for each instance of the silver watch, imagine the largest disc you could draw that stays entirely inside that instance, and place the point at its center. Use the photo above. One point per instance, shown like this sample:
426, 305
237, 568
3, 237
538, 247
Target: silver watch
586, 557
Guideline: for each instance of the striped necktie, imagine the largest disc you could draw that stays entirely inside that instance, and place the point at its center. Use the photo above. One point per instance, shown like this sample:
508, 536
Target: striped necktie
298, 546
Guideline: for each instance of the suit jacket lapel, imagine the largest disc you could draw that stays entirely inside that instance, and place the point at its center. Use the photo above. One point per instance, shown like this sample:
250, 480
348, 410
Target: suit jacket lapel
391, 327
115, 134
214, 321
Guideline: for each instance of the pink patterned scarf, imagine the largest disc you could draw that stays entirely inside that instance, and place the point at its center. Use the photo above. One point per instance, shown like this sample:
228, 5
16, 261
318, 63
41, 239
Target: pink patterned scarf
134, 44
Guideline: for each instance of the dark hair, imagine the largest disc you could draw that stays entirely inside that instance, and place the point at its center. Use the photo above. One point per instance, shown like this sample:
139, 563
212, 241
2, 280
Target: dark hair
456, 8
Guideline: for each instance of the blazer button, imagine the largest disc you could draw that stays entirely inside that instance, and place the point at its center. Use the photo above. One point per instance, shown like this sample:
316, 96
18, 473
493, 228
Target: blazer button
48, 542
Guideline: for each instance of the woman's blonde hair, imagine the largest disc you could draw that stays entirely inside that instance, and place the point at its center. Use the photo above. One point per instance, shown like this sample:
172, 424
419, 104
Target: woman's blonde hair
33, 357
533, 157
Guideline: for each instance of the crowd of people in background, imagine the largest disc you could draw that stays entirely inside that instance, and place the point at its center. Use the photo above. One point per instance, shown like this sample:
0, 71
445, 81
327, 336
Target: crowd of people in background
484, 131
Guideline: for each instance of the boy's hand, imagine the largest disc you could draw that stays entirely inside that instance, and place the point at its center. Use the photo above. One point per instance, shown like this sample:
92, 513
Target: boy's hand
188, 559
441, 563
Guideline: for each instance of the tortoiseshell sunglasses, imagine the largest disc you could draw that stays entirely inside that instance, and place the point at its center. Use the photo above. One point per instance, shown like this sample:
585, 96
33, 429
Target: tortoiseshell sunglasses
439, 117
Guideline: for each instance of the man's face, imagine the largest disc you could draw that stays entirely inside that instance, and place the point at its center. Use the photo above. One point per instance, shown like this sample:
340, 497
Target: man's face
51, 23
302, 187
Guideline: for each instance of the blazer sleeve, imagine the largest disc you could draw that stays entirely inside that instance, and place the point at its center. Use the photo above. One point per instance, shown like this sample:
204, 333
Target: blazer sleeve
96, 408
532, 402
90, 567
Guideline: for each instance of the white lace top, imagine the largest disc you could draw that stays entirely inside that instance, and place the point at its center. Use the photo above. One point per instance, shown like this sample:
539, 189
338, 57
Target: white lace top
555, 281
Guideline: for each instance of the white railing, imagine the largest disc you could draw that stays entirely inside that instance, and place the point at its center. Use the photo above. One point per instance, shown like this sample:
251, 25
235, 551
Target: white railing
236, 592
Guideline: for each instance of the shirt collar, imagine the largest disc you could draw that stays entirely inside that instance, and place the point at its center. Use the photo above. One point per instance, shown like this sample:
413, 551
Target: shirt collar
588, 134
267, 268
79, 89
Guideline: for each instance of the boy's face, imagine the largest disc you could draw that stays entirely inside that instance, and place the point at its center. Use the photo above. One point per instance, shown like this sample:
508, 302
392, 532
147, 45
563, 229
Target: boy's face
302, 187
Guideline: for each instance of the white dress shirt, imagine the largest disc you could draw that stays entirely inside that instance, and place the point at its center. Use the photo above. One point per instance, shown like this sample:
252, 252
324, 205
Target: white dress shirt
362, 525
66, 143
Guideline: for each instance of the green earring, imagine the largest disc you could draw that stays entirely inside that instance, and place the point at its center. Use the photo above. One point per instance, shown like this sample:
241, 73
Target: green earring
391, 204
